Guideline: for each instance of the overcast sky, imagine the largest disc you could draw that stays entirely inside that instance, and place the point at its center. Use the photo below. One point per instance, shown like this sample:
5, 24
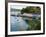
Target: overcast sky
18, 6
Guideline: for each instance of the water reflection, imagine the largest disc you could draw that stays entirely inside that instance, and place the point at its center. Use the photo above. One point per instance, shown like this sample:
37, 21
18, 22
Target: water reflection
18, 24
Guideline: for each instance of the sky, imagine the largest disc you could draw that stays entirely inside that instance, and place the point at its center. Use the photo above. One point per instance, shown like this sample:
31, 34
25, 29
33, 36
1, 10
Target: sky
18, 6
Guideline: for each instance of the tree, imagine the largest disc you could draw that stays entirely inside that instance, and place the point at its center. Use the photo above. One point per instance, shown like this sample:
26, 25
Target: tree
31, 9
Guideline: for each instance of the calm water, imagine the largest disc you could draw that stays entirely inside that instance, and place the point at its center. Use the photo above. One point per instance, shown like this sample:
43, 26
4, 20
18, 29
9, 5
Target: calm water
18, 24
